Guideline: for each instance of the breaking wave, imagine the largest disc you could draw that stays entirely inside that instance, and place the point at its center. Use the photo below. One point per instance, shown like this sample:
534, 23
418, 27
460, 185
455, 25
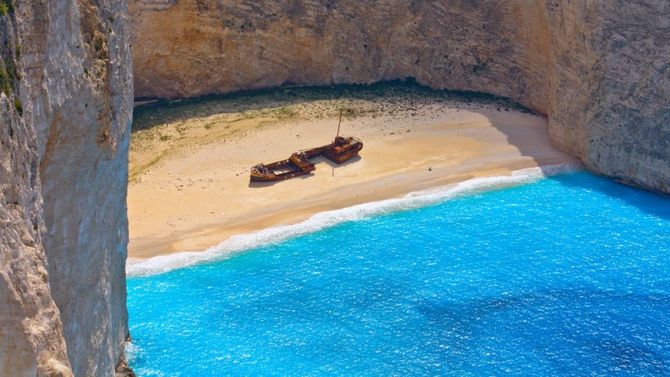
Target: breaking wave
322, 220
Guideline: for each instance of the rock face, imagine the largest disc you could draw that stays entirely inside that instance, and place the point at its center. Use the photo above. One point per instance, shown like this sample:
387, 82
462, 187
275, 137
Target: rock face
31, 333
598, 69
63, 235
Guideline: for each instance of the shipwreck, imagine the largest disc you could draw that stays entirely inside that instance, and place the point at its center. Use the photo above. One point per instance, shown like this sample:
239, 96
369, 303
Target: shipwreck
341, 150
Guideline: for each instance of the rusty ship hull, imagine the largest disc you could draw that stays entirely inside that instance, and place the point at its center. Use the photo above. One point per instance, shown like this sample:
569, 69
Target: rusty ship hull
339, 151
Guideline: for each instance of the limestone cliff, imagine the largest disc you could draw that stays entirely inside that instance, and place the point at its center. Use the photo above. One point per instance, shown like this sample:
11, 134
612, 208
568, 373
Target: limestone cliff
31, 333
598, 69
65, 127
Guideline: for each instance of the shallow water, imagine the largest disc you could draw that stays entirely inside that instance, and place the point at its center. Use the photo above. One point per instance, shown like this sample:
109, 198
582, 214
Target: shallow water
568, 275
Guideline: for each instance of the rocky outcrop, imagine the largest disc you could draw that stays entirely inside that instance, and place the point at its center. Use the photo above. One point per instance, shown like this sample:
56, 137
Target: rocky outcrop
66, 122
609, 102
598, 69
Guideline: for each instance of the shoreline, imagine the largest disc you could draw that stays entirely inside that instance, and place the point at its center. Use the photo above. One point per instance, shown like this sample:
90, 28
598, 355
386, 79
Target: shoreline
241, 242
190, 189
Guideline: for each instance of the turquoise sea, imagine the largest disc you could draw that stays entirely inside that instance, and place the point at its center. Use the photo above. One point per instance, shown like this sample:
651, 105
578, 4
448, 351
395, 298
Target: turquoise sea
569, 275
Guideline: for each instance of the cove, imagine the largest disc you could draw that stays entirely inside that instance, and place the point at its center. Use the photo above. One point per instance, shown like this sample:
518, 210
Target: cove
567, 275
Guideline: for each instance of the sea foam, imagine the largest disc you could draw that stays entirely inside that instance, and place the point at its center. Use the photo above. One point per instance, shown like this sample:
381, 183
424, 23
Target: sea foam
322, 220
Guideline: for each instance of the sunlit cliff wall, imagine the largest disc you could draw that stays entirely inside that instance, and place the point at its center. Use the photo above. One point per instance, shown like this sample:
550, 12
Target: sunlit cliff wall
598, 69
65, 116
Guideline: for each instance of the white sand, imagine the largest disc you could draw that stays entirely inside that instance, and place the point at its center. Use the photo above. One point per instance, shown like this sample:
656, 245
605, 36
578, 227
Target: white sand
199, 194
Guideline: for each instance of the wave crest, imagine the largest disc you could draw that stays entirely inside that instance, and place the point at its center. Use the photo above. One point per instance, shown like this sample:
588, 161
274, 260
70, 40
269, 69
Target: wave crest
322, 220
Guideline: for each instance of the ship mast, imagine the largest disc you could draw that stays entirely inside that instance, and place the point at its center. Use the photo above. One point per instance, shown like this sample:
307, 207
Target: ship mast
338, 125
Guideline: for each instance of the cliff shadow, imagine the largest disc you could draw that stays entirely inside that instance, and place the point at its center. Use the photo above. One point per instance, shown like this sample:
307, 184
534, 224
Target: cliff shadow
657, 205
390, 95
545, 156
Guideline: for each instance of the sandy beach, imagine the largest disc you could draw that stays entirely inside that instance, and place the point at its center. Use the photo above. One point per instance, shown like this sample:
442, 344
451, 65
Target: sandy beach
189, 163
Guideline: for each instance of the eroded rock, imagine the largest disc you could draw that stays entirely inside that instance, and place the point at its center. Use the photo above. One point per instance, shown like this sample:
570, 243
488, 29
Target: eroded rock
598, 69
64, 159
